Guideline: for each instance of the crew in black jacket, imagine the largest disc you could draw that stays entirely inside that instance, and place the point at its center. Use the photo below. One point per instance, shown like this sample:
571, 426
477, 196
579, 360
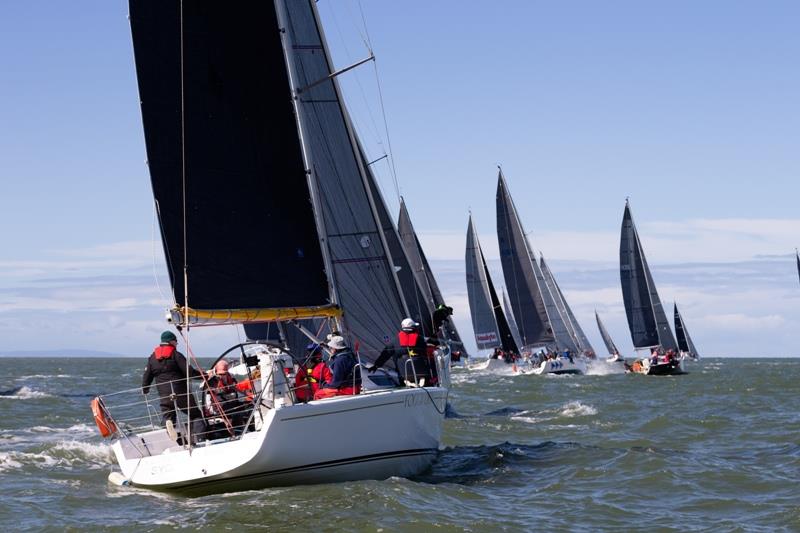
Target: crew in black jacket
167, 366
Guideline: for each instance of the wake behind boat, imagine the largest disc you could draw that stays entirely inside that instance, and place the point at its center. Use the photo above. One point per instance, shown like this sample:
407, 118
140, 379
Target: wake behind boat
269, 214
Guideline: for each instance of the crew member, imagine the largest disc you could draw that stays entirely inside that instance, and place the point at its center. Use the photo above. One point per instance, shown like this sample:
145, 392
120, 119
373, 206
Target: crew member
344, 378
311, 374
168, 368
440, 316
412, 342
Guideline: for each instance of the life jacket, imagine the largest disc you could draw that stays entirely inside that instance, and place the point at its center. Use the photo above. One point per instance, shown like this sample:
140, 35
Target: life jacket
163, 351
409, 340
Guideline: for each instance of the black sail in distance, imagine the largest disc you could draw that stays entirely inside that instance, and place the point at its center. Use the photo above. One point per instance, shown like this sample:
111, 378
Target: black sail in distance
484, 320
635, 293
685, 343
363, 269
646, 318
797, 257
424, 274
244, 207
610, 346
519, 271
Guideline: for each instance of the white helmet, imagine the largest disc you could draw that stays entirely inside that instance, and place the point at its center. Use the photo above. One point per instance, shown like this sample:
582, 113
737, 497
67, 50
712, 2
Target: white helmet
337, 343
408, 323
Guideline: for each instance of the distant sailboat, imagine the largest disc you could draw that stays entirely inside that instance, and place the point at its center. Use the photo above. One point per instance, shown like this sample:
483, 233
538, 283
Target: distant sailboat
489, 323
575, 330
646, 319
534, 302
797, 257
684, 340
613, 352
426, 281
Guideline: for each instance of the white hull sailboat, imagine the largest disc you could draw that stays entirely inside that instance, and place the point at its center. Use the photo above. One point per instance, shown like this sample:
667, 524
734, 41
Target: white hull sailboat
269, 214
294, 443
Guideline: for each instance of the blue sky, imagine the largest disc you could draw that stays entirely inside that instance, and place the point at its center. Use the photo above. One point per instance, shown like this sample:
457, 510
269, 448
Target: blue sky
690, 108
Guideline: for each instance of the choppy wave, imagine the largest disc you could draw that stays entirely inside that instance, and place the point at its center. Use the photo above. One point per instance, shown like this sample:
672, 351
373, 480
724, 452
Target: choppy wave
23, 393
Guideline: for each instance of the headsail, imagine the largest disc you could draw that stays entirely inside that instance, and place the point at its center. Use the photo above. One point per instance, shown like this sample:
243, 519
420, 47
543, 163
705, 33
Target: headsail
422, 270
610, 346
363, 269
525, 287
488, 320
484, 323
685, 343
558, 321
225, 161
512, 323
575, 330
646, 318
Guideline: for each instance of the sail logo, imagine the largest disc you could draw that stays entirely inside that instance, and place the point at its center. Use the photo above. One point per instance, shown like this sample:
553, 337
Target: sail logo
486, 337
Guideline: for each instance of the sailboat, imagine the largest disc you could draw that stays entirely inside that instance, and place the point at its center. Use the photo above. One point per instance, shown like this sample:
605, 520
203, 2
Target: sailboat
431, 296
613, 353
491, 327
268, 214
797, 257
646, 318
685, 344
576, 332
542, 326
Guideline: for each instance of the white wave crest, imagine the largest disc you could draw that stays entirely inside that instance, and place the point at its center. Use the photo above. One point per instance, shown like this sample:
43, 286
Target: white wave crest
577, 409
25, 393
100, 453
7, 462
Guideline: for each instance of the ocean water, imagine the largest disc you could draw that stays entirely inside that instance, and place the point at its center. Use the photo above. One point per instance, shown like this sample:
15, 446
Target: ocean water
715, 450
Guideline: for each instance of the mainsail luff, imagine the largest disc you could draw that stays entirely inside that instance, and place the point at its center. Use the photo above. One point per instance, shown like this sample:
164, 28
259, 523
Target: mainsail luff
685, 343
222, 113
484, 321
525, 287
646, 318
610, 346
363, 269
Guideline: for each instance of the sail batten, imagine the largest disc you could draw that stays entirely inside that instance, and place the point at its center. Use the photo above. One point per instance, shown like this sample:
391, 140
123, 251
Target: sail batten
646, 318
524, 284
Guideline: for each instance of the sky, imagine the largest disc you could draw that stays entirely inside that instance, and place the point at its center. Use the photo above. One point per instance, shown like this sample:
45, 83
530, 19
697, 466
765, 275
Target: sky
688, 108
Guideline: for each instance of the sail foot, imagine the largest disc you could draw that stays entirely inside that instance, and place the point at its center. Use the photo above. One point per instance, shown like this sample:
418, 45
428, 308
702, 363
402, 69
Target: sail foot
208, 317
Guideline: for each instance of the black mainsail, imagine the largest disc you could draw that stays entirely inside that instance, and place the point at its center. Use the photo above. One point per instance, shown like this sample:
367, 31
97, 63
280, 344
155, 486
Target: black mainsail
425, 279
685, 343
266, 209
512, 323
646, 318
225, 159
610, 346
525, 286
488, 320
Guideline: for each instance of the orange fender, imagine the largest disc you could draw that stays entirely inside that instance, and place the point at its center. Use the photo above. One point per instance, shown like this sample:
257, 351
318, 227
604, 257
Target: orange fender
103, 420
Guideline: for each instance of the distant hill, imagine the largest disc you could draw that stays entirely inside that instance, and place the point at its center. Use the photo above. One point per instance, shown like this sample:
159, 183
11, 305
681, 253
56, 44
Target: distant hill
58, 353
